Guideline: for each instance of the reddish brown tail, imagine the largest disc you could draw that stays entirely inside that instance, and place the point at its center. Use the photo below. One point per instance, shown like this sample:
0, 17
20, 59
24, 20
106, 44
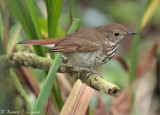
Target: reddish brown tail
41, 42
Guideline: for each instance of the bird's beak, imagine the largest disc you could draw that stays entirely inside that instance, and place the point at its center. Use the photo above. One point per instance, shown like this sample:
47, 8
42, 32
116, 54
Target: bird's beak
131, 33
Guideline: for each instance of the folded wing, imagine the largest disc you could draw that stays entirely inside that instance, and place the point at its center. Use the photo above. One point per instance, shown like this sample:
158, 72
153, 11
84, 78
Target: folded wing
65, 44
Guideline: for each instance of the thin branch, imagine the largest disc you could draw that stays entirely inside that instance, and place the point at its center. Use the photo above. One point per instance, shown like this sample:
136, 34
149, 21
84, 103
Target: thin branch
24, 58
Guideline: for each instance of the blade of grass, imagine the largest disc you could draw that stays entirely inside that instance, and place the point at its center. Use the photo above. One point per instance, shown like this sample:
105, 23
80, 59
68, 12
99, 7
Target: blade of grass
2, 51
20, 89
54, 10
1, 27
27, 18
43, 26
148, 12
6, 23
57, 95
70, 11
134, 57
135, 46
57, 92
133, 67
74, 26
47, 86
14, 34
20, 13
34, 17
151, 7
46, 89
61, 102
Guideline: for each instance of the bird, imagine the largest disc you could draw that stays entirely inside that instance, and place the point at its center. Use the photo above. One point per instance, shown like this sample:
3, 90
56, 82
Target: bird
89, 47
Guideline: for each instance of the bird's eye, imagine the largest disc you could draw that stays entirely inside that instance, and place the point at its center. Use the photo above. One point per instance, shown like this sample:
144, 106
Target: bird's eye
116, 34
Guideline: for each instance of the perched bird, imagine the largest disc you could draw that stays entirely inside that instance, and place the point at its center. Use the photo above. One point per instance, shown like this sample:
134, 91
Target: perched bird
89, 47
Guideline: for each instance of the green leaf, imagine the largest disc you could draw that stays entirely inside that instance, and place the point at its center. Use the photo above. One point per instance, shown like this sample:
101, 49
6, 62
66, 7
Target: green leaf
74, 26
148, 12
26, 15
20, 13
54, 10
61, 102
57, 95
152, 5
134, 57
20, 89
34, 17
1, 27
2, 48
46, 89
43, 26
70, 10
14, 34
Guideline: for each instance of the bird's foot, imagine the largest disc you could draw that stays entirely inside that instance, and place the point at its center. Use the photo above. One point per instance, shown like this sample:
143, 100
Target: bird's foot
91, 71
64, 59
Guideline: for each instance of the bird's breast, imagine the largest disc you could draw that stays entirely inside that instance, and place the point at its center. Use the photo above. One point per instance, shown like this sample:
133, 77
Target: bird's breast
110, 52
91, 58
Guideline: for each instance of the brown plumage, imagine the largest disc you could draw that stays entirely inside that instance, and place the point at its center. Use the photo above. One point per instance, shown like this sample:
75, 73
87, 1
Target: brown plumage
69, 43
89, 47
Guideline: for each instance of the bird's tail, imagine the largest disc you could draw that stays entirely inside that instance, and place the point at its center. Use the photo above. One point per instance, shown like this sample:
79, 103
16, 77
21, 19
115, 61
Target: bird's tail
36, 42
46, 42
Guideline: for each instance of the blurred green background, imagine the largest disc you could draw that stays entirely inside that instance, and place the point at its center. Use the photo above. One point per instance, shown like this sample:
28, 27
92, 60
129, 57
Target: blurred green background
22, 20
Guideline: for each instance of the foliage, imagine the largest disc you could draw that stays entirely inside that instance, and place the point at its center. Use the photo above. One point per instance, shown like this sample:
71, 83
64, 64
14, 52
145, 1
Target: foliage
25, 22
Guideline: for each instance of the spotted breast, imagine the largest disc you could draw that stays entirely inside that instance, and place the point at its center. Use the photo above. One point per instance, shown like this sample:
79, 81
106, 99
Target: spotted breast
92, 58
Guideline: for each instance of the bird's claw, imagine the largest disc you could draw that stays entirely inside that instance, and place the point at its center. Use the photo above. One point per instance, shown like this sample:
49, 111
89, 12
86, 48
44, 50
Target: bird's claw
64, 59
91, 71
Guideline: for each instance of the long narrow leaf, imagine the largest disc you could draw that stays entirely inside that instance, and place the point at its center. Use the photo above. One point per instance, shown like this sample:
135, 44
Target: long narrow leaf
34, 17
20, 89
1, 27
14, 34
70, 10
134, 51
134, 57
20, 13
46, 89
27, 18
2, 49
54, 10
57, 95
150, 8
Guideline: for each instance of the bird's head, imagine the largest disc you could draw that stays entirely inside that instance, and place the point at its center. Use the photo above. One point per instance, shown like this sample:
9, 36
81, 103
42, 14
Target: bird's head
115, 32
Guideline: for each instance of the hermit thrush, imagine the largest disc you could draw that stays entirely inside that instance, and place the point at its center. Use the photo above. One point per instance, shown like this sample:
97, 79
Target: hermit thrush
89, 47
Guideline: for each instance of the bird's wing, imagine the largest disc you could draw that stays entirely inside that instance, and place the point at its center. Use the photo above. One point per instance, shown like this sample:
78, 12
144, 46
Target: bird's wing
68, 43
74, 45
